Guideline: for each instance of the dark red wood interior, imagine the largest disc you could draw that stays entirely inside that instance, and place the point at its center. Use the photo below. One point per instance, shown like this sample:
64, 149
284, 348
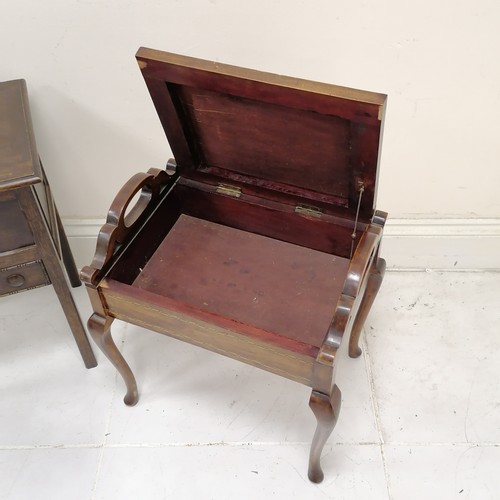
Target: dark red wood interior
317, 141
289, 147
274, 286
328, 234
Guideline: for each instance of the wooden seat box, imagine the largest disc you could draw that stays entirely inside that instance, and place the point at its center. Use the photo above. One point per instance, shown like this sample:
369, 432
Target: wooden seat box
260, 241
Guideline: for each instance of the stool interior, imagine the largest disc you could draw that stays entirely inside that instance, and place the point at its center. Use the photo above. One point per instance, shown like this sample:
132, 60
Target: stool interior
279, 287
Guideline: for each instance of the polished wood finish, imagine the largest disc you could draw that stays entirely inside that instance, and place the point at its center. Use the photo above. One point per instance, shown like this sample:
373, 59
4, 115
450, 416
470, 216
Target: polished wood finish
32, 237
311, 140
99, 327
375, 278
326, 409
250, 243
221, 270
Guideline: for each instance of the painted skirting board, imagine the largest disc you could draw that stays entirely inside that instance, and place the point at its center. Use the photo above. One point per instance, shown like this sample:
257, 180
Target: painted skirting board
442, 244
439, 244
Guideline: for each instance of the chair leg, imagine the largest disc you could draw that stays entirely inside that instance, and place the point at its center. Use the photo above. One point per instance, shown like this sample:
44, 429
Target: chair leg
100, 329
326, 409
374, 281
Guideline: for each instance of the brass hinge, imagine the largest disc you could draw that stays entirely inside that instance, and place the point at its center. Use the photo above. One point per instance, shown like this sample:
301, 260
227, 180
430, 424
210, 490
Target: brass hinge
229, 190
308, 210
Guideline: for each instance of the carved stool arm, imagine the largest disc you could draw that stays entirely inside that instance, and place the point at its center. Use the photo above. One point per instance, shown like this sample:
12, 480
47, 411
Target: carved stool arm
122, 220
352, 308
352, 294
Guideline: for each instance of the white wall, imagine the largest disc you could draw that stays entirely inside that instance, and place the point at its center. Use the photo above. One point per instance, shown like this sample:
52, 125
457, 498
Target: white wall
438, 61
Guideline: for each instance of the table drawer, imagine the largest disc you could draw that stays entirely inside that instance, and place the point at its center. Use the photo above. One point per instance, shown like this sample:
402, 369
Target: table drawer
25, 276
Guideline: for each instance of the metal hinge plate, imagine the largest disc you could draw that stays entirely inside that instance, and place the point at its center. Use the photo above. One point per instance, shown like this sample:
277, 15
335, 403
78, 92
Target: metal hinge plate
228, 190
308, 210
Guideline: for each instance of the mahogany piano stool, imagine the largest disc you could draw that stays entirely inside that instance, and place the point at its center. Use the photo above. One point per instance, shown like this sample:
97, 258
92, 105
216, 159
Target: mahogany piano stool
260, 241
32, 238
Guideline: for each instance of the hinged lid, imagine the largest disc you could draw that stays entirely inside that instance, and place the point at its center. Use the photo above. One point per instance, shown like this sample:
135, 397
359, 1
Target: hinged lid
314, 141
19, 162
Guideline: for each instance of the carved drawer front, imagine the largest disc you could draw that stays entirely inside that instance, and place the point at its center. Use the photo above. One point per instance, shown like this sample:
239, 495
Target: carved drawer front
25, 276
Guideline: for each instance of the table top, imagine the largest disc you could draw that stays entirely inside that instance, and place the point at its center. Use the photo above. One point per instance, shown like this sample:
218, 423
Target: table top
19, 162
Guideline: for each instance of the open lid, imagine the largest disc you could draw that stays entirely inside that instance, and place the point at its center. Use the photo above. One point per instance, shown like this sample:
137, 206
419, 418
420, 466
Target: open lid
314, 141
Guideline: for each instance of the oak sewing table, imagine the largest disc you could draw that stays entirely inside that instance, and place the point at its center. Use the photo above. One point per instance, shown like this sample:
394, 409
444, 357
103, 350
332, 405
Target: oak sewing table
260, 241
32, 238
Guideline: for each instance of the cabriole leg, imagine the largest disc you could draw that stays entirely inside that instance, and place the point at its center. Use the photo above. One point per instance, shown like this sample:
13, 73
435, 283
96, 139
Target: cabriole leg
100, 329
326, 409
374, 281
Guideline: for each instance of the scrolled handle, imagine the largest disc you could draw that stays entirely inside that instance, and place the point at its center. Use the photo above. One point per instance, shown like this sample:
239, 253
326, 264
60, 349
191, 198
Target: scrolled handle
126, 211
149, 184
